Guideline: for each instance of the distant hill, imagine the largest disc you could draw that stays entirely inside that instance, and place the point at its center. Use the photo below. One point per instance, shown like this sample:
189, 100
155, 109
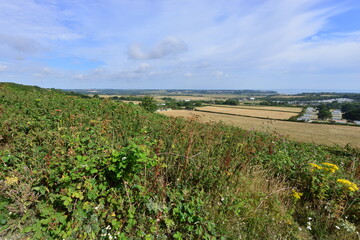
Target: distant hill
20, 87
169, 92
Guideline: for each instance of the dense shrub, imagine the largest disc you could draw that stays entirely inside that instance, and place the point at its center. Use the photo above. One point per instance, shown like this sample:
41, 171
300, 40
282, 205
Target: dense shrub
74, 168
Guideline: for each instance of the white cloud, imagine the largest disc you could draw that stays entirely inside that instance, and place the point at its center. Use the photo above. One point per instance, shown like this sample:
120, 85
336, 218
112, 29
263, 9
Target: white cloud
3, 67
188, 75
43, 72
20, 44
220, 74
169, 46
338, 52
143, 67
79, 76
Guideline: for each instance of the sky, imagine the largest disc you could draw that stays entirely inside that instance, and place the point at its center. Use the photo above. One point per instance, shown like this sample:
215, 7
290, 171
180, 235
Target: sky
181, 44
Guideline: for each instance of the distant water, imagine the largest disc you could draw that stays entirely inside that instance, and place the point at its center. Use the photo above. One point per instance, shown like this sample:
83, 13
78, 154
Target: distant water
296, 91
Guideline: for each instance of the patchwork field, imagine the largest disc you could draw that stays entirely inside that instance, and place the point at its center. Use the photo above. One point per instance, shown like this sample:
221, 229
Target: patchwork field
250, 112
305, 132
270, 108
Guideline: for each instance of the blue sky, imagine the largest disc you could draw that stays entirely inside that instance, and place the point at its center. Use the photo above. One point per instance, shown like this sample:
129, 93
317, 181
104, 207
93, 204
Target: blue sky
187, 44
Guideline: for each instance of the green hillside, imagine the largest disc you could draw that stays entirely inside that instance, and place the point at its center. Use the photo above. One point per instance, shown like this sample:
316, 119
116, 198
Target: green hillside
75, 168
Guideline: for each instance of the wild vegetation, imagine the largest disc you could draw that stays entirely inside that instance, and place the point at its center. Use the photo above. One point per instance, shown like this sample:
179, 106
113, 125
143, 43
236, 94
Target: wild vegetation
74, 168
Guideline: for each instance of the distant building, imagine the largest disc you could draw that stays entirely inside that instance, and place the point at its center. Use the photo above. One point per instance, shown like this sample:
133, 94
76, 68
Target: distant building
336, 115
309, 115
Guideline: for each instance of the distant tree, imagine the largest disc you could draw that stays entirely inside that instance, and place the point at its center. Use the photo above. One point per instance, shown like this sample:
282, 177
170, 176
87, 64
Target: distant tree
171, 103
96, 96
349, 107
231, 101
324, 112
149, 103
352, 115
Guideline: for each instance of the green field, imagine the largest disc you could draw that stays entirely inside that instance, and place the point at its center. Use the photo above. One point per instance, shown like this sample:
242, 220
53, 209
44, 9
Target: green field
77, 168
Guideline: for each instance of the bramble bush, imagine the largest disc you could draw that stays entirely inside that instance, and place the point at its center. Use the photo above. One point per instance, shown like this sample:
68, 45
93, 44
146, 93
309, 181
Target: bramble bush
74, 168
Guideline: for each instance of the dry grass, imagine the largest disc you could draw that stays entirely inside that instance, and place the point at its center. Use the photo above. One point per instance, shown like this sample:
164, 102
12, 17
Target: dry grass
250, 112
272, 108
304, 132
134, 102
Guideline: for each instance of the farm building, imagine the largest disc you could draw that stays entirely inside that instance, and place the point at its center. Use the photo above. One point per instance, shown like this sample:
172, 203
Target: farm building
336, 114
309, 115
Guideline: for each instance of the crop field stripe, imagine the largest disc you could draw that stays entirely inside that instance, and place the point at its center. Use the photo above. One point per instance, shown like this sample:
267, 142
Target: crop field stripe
283, 120
239, 115
305, 132
235, 107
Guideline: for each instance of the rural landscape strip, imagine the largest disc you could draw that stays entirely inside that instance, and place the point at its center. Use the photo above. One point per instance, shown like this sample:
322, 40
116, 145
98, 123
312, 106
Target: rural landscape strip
240, 115
250, 108
283, 120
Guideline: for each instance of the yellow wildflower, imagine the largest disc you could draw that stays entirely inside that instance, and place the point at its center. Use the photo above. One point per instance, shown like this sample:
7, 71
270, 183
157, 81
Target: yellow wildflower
113, 214
11, 180
350, 185
315, 166
296, 194
330, 167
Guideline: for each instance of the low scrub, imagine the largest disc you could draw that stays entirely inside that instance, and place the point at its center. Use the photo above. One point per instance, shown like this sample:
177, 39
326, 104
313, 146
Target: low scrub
74, 168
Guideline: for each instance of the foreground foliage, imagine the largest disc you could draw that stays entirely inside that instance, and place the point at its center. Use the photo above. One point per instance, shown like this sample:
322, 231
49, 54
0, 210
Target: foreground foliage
74, 168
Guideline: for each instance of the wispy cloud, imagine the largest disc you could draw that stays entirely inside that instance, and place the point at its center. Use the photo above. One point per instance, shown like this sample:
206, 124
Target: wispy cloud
188, 75
245, 43
3, 67
169, 46
20, 44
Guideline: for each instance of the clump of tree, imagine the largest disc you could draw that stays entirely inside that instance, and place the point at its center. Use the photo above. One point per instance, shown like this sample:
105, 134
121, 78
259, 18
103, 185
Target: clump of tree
174, 104
324, 112
127, 98
149, 103
232, 101
348, 107
352, 115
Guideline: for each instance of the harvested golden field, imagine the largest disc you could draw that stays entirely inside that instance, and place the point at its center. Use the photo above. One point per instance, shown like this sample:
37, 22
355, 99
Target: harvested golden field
271, 108
250, 112
304, 132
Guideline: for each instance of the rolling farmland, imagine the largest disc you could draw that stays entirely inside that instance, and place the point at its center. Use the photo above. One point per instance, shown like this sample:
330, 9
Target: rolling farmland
270, 108
261, 113
304, 132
